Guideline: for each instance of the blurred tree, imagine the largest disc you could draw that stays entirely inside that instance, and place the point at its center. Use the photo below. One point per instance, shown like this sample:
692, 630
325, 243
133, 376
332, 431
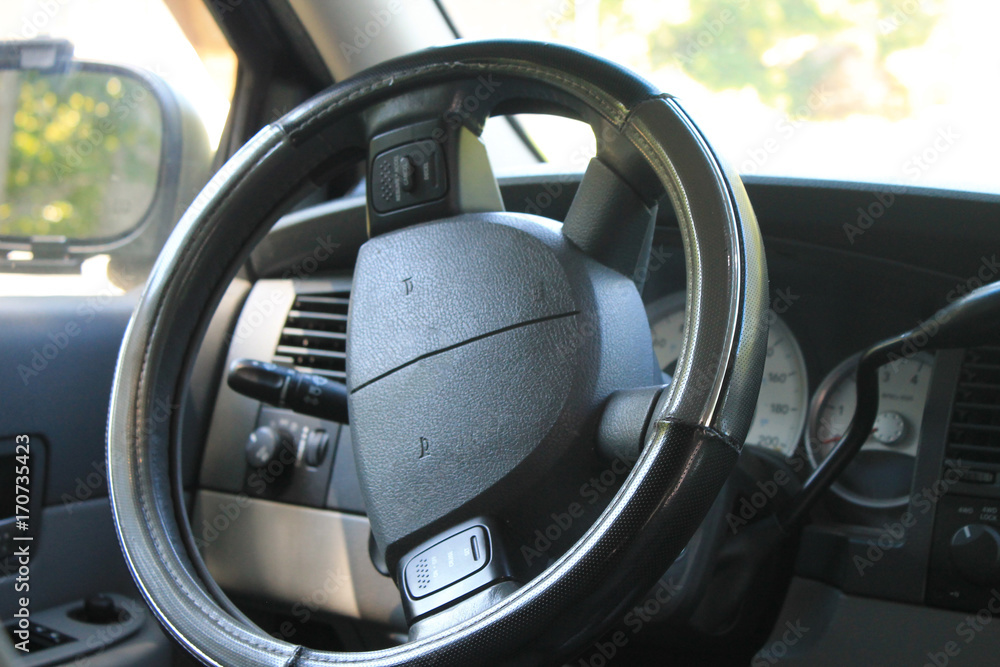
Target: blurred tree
821, 58
82, 146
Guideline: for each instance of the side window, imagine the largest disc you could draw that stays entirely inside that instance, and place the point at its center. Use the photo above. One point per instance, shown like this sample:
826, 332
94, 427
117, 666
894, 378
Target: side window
111, 112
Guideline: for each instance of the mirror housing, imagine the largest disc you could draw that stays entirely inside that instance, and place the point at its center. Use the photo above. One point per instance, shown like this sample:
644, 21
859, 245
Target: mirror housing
141, 195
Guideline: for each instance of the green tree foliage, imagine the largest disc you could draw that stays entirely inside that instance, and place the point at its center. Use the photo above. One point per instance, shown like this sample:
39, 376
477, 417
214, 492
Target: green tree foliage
81, 148
793, 52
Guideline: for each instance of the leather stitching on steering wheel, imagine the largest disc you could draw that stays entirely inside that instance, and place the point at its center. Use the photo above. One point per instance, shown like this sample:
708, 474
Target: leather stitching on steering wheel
611, 112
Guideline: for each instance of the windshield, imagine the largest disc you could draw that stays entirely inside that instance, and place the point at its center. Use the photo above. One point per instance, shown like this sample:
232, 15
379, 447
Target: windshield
883, 91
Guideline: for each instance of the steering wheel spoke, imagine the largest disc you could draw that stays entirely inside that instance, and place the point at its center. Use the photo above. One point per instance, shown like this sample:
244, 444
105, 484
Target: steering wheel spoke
611, 222
435, 165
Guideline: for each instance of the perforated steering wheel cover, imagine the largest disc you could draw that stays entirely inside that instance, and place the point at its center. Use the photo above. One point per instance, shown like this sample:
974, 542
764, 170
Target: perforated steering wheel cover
691, 446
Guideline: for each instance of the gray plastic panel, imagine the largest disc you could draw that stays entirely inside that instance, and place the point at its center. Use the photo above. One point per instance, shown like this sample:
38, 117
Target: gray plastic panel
255, 547
819, 626
345, 488
57, 360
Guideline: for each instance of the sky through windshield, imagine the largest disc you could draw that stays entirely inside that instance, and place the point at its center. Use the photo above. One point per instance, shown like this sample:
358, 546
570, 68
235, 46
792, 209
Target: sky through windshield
884, 91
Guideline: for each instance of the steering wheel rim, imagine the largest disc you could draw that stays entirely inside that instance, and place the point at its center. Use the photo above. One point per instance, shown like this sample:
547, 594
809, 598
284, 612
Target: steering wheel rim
698, 424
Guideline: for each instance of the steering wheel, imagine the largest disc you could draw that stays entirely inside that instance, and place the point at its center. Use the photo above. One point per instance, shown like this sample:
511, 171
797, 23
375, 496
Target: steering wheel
496, 362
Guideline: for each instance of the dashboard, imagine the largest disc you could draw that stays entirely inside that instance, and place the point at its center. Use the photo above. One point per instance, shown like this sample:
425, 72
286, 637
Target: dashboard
931, 464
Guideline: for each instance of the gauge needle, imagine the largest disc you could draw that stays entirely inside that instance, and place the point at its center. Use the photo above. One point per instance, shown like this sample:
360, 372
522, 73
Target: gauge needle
838, 437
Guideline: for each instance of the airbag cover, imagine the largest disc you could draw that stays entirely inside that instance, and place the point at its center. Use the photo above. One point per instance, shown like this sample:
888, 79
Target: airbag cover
463, 359
424, 289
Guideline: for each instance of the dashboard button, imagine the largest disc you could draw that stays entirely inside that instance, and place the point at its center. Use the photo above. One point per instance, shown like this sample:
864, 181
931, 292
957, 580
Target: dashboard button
265, 444
317, 445
978, 476
408, 175
447, 562
975, 551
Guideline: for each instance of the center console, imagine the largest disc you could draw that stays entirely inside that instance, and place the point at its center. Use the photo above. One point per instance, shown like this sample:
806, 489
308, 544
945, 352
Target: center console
964, 570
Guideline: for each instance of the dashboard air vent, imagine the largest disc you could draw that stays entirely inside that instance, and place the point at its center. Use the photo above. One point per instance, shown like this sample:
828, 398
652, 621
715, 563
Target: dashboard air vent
974, 434
315, 335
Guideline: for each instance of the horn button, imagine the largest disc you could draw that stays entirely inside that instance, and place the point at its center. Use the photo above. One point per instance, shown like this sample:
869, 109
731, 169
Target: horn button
478, 354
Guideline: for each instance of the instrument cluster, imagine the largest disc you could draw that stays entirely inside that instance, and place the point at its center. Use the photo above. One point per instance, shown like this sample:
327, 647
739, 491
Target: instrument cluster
788, 420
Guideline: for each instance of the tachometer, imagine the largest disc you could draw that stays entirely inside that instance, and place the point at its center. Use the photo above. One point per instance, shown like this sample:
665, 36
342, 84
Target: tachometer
781, 406
880, 474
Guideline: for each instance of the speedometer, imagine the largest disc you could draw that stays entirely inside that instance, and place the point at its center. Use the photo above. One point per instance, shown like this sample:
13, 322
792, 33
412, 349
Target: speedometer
781, 405
881, 472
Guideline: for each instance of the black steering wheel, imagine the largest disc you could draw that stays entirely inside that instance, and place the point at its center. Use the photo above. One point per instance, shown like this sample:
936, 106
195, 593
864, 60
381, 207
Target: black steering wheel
492, 356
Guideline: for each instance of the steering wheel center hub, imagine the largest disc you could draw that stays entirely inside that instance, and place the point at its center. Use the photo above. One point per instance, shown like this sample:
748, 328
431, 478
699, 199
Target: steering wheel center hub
471, 368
